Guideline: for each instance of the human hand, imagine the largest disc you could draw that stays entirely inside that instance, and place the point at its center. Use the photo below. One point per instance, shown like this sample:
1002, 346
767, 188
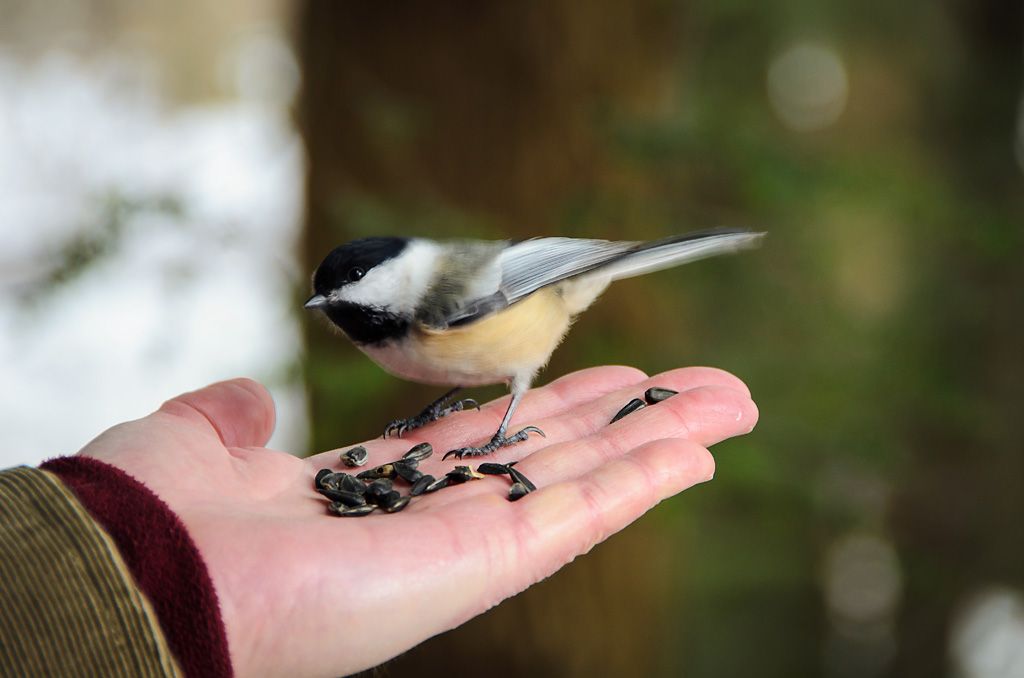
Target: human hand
306, 593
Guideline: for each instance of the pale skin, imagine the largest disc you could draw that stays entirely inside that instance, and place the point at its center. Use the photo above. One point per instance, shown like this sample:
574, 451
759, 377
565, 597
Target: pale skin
295, 583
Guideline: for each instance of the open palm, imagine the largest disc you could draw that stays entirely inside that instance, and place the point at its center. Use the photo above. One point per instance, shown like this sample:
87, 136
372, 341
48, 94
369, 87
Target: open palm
306, 593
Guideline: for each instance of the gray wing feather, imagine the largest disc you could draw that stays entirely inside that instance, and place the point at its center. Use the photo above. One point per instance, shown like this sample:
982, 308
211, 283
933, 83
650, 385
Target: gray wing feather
477, 309
528, 266
537, 263
533, 264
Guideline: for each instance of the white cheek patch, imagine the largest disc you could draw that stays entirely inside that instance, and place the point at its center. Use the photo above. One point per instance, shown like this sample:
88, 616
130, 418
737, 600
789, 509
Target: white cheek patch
396, 285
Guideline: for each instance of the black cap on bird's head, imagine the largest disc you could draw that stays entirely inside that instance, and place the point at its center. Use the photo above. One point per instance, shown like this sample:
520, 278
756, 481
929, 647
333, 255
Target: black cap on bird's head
362, 313
349, 263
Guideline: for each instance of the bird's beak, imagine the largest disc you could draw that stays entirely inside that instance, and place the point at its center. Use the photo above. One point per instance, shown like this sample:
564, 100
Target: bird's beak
316, 301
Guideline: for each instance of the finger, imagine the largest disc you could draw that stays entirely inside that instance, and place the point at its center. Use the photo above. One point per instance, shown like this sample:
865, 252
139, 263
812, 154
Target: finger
543, 404
547, 403
705, 415
240, 411
691, 377
504, 547
561, 395
570, 517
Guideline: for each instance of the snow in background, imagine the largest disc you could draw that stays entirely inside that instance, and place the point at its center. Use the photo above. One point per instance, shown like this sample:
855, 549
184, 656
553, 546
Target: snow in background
195, 211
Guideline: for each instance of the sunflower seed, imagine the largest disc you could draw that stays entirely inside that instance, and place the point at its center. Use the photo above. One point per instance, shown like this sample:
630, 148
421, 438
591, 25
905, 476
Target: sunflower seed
517, 477
438, 484
357, 456
631, 407
382, 471
320, 475
346, 498
333, 495
420, 485
458, 475
331, 481
398, 505
517, 491
655, 395
420, 452
406, 472
380, 485
350, 484
461, 474
492, 469
378, 489
339, 509
389, 499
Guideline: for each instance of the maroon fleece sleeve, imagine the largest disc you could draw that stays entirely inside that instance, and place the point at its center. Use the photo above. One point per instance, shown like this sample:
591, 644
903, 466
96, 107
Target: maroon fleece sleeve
161, 556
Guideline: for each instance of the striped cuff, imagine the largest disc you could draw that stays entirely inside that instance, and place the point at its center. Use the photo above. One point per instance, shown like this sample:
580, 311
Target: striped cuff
70, 605
161, 556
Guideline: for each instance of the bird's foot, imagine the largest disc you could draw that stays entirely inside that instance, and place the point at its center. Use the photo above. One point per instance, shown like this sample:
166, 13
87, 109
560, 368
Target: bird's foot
497, 442
438, 409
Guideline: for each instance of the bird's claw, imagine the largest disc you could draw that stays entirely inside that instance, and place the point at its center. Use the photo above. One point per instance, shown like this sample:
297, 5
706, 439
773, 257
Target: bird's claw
432, 413
497, 442
397, 427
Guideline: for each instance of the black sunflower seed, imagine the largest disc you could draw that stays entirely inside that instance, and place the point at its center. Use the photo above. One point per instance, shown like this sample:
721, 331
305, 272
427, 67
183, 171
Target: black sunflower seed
655, 395
492, 469
357, 456
389, 498
419, 453
420, 486
339, 509
320, 475
346, 498
381, 485
382, 471
406, 472
457, 475
351, 484
517, 491
331, 481
461, 474
333, 495
438, 484
378, 489
518, 477
630, 407
398, 504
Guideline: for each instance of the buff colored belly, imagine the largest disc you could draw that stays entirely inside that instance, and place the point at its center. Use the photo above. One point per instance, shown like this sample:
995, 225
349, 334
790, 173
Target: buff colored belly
515, 342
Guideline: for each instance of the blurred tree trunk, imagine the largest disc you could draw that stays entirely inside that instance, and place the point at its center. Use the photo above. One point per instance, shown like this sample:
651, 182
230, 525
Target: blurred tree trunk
477, 118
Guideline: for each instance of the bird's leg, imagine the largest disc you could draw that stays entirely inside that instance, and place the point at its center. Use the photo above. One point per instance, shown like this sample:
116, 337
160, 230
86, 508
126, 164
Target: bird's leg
499, 440
432, 412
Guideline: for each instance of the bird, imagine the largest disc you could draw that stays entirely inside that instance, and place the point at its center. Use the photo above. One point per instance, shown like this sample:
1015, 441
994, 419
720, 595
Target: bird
466, 313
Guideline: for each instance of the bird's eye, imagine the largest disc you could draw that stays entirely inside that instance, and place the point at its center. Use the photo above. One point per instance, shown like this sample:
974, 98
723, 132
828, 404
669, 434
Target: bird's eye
355, 274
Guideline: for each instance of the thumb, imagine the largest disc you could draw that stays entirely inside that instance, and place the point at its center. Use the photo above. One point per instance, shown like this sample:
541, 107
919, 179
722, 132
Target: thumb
240, 411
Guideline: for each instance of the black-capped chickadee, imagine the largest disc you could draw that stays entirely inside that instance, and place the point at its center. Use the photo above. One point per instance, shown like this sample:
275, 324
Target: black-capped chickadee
469, 313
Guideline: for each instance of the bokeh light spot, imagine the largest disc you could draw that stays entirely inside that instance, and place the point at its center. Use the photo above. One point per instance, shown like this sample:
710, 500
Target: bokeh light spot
807, 86
988, 635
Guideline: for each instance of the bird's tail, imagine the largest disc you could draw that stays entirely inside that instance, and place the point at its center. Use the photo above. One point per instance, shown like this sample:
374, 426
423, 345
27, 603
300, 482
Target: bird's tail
655, 255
